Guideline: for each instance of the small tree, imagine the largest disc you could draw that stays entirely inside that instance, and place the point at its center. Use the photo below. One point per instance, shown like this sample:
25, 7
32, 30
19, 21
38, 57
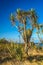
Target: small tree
25, 22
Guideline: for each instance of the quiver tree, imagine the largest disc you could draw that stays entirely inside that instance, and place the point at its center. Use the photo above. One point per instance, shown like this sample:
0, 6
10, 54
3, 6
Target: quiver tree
25, 22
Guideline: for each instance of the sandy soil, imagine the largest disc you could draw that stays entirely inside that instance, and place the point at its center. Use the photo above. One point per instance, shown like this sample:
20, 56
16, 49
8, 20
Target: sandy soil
26, 62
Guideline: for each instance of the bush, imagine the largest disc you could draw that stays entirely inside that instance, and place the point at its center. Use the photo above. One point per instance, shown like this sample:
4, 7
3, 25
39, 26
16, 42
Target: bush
19, 53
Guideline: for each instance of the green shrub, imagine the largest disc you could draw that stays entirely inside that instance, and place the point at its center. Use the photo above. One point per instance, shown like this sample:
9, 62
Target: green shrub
19, 53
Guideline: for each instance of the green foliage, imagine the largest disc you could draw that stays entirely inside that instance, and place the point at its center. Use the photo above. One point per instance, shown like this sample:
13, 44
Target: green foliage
19, 53
39, 48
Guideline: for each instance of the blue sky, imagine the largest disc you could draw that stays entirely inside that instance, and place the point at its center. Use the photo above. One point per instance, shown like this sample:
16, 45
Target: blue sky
8, 6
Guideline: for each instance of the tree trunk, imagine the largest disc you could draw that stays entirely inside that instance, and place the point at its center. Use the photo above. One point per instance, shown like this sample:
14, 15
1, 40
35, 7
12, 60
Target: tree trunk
25, 39
28, 45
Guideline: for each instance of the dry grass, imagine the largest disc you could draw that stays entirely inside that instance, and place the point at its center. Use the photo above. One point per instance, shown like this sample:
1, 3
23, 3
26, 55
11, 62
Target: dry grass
26, 62
13, 54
